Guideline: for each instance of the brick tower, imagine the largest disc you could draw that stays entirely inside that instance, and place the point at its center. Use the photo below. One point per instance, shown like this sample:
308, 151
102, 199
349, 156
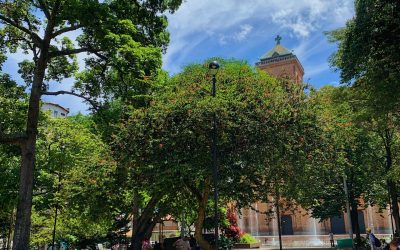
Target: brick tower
281, 63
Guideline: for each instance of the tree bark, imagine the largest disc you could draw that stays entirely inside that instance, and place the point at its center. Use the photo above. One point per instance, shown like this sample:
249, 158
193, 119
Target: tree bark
28, 150
391, 185
144, 222
201, 213
10, 230
354, 219
394, 204
135, 218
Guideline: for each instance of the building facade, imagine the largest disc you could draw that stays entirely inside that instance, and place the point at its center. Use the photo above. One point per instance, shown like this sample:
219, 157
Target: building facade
281, 63
55, 110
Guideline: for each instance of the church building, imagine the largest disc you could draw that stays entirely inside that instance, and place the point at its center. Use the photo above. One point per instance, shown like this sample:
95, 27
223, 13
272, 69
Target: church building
281, 63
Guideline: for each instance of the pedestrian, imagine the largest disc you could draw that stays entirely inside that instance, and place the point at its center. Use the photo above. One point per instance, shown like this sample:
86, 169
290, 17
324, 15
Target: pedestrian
395, 244
116, 246
182, 244
146, 244
331, 239
373, 241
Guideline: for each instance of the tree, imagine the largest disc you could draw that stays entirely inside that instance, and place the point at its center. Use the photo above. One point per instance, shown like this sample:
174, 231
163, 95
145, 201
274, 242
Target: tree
349, 150
368, 54
75, 175
170, 140
13, 104
123, 41
368, 58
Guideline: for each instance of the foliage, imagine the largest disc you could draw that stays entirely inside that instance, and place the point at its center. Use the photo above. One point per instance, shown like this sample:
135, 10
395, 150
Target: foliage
232, 230
368, 53
262, 125
248, 239
123, 42
225, 243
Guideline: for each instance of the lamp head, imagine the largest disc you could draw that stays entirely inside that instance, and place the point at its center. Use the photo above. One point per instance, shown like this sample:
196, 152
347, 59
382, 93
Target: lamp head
213, 67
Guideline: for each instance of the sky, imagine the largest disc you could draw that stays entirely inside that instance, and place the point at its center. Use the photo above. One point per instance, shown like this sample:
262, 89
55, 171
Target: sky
245, 30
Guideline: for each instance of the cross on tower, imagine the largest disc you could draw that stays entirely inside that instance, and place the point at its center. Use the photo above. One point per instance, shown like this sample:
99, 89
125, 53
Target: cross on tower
278, 39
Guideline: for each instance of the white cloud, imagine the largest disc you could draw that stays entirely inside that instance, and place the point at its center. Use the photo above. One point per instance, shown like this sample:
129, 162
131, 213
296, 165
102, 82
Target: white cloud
243, 33
229, 21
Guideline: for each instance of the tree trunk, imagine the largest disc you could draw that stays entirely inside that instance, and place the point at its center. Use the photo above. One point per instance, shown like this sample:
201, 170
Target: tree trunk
201, 213
394, 204
278, 215
143, 223
28, 150
135, 242
354, 219
392, 186
10, 230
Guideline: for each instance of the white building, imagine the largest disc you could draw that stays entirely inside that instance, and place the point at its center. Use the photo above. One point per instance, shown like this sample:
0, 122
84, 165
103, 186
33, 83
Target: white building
55, 109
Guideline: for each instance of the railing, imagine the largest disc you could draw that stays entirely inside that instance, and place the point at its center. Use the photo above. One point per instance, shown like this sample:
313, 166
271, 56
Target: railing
275, 59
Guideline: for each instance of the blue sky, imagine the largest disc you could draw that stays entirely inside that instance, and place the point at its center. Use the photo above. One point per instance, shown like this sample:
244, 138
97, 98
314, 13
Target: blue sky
242, 29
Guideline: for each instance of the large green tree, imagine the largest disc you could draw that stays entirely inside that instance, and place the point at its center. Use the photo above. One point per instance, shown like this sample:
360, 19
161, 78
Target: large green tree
13, 103
347, 151
368, 55
170, 140
368, 58
123, 41
75, 175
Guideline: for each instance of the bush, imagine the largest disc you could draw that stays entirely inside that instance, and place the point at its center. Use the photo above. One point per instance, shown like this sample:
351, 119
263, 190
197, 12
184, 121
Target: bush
224, 243
248, 239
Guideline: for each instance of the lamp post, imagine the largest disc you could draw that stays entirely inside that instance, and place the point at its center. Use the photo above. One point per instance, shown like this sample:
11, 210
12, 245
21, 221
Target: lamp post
213, 69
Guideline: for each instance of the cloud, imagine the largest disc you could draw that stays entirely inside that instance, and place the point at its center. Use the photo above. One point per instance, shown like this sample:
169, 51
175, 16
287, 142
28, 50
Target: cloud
236, 21
243, 33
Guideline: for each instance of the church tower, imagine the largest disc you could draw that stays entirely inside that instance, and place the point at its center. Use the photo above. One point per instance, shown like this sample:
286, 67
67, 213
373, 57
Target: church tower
282, 63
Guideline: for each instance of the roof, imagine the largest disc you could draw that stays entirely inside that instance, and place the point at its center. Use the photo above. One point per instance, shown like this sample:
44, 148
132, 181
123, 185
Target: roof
57, 105
278, 50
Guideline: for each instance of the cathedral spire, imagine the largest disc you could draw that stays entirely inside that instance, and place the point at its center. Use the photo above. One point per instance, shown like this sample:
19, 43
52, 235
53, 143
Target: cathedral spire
278, 39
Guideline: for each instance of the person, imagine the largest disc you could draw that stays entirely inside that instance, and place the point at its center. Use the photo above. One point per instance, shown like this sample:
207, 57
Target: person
157, 246
331, 239
146, 244
182, 244
393, 245
115, 247
373, 241
192, 242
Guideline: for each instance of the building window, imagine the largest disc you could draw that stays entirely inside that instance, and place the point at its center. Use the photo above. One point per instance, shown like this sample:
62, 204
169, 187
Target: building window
62, 114
55, 113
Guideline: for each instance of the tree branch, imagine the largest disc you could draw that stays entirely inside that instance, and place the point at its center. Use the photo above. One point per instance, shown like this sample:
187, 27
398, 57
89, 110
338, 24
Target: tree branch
46, 11
194, 191
12, 139
68, 52
66, 29
63, 92
35, 38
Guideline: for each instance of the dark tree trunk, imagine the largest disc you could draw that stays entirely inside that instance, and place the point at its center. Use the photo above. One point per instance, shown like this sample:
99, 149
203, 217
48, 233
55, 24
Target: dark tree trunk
28, 150
278, 215
354, 219
390, 184
394, 204
201, 214
10, 230
135, 242
143, 223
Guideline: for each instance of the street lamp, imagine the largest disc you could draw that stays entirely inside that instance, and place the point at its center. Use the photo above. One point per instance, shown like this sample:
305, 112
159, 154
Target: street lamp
213, 70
